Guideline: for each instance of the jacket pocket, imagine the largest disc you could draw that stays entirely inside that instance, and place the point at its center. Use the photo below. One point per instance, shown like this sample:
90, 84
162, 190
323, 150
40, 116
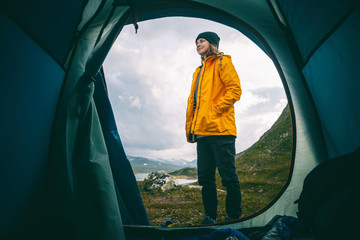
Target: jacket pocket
214, 121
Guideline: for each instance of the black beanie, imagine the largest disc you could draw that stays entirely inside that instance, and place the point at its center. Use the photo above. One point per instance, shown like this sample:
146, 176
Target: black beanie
212, 37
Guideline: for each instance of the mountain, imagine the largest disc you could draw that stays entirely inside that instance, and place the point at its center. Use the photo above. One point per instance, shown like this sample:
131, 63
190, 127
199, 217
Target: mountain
264, 167
177, 162
273, 147
146, 165
188, 171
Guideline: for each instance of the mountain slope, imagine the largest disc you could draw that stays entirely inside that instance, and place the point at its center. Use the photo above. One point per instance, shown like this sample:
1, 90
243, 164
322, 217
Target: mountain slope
273, 147
264, 167
188, 171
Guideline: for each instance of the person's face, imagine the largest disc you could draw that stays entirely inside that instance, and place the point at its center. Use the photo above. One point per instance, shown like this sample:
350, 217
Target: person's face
202, 46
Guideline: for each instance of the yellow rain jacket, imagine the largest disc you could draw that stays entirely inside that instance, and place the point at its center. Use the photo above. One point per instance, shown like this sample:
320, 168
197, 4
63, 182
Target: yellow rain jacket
218, 89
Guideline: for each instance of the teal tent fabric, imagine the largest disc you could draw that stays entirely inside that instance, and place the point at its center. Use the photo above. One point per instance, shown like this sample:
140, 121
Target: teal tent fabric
52, 24
128, 194
334, 83
81, 188
321, 18
30, 87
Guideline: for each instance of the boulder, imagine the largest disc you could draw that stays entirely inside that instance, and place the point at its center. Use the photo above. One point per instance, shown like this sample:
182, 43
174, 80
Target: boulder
159, 181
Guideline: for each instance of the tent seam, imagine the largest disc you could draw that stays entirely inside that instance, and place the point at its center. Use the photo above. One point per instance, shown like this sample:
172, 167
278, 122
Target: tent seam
34, 39
276, 15
82, 30
299, 64
106, 23
329, 34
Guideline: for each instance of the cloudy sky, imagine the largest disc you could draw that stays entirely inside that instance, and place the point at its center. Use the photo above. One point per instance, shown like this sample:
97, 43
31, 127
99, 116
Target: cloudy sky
149, 76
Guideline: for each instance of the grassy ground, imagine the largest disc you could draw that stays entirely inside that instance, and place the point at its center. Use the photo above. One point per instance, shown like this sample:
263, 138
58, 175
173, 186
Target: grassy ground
184, 205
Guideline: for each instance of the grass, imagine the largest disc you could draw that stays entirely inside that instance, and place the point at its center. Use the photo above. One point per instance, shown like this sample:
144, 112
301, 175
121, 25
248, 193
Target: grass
182, 206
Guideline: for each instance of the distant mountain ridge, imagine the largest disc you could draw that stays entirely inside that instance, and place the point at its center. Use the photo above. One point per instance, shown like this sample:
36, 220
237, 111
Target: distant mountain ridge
146, 165
177, 162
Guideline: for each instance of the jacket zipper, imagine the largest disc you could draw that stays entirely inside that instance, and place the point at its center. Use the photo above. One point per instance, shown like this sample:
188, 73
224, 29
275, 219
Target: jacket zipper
198, 96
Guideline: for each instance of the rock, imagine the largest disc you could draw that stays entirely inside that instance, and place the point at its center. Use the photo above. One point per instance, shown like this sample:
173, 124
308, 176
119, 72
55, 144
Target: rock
159, 180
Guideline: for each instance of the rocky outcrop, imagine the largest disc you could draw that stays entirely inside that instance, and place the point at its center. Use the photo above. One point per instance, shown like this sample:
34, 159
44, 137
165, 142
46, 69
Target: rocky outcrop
159, 181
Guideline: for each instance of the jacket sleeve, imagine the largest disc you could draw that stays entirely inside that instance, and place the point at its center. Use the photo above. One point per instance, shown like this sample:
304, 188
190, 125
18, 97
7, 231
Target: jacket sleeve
231, 81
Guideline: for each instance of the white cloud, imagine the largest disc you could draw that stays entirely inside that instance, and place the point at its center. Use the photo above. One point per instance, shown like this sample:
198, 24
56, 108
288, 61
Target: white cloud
249, 100
280, 105
134, 102
156, 92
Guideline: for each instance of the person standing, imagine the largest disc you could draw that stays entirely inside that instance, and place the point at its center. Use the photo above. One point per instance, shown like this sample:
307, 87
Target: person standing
210, 121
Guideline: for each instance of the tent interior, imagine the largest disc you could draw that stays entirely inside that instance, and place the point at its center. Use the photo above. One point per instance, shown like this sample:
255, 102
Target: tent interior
63, 170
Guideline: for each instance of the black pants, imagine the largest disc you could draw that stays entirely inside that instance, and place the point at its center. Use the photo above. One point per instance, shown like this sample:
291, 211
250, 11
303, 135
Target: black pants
212, 152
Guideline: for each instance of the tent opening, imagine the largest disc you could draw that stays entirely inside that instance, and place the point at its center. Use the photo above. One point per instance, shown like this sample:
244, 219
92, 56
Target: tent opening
148, 76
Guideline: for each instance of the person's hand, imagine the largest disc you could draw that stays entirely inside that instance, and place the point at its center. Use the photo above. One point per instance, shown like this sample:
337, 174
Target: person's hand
191, 138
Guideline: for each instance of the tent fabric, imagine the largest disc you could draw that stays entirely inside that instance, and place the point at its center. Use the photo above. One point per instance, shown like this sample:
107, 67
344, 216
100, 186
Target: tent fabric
218, 234
30, 88
66, 175
125, 180
82, 190
54, 25
341, 127
321, 17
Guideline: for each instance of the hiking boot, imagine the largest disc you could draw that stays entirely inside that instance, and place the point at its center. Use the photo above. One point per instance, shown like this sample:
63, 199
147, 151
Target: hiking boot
208, 220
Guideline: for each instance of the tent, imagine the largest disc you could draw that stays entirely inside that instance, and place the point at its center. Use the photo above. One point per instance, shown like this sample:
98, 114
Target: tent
63, 171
